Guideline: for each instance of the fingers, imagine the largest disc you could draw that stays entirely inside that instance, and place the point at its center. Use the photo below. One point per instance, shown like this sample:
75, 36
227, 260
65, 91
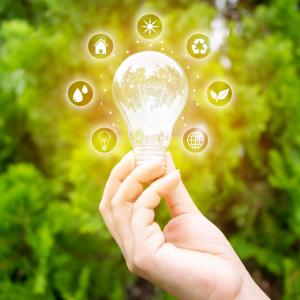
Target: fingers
117, 176
128, 192
179, 200
147, 233
133, 185
151, 196
129, 211
160, 188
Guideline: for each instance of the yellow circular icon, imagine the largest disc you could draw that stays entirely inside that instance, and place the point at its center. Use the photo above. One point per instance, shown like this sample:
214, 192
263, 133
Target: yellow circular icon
149, 26
198, 45
100, 45
104, 140
195, 140
219, 93
80, 93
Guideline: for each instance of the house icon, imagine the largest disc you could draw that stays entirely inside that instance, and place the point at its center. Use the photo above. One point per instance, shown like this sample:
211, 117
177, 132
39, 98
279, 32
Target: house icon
100, 47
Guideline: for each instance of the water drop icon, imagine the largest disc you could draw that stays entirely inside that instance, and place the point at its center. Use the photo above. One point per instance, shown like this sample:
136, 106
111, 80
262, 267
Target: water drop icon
77, 96
80, 93
84, 89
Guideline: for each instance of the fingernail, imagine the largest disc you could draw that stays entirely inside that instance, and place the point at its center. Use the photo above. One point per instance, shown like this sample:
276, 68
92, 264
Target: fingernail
128, 154
174, 173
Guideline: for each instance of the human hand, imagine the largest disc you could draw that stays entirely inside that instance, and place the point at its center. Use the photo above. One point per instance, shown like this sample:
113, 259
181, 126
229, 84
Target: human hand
190, 258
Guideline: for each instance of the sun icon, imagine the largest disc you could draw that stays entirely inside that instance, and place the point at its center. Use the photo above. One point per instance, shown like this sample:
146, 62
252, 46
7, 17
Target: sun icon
149, 26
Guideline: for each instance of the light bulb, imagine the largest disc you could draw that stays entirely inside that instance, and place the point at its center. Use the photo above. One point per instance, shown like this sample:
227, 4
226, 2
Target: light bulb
151, 90
104, 139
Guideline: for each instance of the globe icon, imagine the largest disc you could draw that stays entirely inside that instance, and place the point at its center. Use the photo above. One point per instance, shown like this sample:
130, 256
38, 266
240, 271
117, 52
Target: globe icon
195, 140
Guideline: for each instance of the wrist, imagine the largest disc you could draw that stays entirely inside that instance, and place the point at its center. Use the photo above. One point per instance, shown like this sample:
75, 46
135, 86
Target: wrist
250, 290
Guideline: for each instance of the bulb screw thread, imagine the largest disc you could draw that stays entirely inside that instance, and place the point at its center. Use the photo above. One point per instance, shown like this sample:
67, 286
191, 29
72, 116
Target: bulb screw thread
145, 153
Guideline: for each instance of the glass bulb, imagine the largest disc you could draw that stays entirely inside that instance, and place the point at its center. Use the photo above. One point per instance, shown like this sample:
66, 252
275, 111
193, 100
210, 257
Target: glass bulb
151, 90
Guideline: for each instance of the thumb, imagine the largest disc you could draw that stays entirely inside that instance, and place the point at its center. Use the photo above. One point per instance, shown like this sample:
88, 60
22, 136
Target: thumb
179, 200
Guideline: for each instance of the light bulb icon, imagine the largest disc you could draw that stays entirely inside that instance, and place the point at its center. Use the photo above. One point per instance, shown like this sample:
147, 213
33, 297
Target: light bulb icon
151, 90
104, 138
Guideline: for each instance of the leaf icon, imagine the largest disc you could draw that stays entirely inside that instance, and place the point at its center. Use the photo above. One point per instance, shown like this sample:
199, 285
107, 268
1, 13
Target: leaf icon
213, 94
223, 94
84, 89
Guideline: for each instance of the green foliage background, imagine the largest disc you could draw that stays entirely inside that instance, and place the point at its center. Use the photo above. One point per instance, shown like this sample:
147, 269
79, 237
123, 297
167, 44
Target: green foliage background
53, 244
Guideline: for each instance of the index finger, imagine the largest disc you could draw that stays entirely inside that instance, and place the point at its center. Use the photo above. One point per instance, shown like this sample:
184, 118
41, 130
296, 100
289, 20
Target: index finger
117, 176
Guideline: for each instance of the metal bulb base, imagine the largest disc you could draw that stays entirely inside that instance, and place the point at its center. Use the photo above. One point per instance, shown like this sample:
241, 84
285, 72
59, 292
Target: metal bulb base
146, 153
